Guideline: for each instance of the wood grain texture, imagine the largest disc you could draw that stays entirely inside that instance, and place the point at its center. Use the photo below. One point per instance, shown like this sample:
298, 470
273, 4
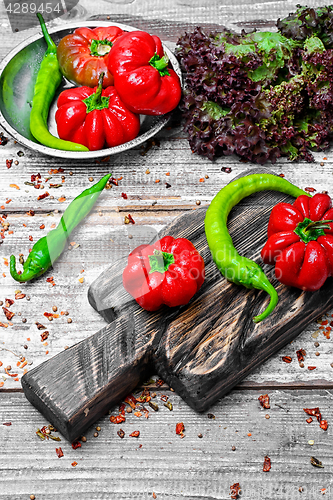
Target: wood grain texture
159, 461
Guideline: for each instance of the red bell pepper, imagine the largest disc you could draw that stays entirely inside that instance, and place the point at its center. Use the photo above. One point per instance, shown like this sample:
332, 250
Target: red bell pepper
83, 55
96, 118
300, 242
168, 272
142, 75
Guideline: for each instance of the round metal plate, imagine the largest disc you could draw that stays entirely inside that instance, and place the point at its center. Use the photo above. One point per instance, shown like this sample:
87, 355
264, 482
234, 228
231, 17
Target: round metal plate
18, 73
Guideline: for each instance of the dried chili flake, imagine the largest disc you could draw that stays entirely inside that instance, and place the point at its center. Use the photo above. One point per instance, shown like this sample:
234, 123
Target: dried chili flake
122, 409
131, 400
56, 170
9, 302
9, 163
135, 434
7, 424
164, 397
31, 213
9, 314
311, 368
310, 189
14, 186
121, 433
113, 181
74, 464
44, 336
40, 326
42, 196
76, 444
118, 419
300, 353
323, 425
264, 401
235, 489
267, 464
309, 420
4, 325
19, 295
59, 452
130, 218
287, 359
31, 238
124, 195
138, 414
315, 462
180, 428
3, 139
314, 412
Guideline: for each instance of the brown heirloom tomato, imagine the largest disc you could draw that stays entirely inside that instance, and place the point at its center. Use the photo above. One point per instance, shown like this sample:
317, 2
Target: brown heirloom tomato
83, 55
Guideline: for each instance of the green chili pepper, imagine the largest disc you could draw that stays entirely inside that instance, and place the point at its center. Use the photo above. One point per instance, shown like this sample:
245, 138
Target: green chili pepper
48, 248
234, 267
48, 80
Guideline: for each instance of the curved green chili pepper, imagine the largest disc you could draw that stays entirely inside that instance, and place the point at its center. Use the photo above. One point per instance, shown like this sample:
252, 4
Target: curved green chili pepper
234, 267
48, 248
48, 80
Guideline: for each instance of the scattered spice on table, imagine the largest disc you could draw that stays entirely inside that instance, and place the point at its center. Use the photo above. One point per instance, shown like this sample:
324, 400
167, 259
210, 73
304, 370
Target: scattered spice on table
267, 464
235, 489
135, 434
180, 429
9, 163
315, 462
264, 401
300, 353
287, 359
76, 444
74, 464
59, 452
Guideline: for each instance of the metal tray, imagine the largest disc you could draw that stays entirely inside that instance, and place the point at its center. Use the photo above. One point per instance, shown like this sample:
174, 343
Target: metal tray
18, 73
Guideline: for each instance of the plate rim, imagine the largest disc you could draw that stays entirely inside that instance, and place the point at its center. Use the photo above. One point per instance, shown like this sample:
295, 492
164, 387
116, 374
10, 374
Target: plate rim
83, 155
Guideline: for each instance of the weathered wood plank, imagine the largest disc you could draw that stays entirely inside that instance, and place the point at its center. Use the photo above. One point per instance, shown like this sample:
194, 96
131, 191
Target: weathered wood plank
171, 467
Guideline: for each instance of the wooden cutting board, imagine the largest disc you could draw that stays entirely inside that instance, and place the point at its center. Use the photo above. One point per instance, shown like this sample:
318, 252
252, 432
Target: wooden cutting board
201, 350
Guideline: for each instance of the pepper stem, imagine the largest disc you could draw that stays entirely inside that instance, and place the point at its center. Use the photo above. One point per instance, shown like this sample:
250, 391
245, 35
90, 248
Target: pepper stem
160, 261
51, 46
160, 63
97, 100
309, 230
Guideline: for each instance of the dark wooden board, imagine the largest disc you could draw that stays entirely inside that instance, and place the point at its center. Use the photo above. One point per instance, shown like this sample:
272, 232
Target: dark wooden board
201, 350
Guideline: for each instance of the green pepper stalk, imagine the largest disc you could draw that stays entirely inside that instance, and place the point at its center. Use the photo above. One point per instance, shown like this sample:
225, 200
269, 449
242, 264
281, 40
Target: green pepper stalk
48, 80
234, 267
49, 248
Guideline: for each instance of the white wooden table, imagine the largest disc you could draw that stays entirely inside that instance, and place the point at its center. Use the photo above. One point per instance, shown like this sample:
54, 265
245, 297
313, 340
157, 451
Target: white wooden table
225, 446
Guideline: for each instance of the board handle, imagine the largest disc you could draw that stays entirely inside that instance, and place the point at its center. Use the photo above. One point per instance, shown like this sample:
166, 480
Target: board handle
79, 385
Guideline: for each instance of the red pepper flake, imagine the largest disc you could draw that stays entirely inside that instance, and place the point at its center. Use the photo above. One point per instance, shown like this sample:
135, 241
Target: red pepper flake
121, 433
56, 170
122, 409
310, 189
9, 302
300, 355
74, 464
4, 325
3, 139
323, 424
202, 179
76, 444
44, 336
287, 359
130, 219
9, 163
164, 397
264, 401
309, 420
113, 181
131, 400
8, 201
138, 414
42, 196
9, 314
31, 238
324, 322
124, 195
59, 452
31, 213
7, 424
42, 226
180, 428
311, 368
135, 434
19, 296
118, 419
235, 489
267, 464
10, 374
